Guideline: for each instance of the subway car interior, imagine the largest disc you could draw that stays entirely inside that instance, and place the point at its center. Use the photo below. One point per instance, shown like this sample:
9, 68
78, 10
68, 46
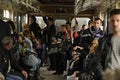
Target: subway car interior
59, 39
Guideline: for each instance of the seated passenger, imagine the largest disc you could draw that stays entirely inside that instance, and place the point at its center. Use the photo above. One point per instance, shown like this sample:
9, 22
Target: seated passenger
9, 66
89, 34
29, 34
31, 61
91, 68
74, 63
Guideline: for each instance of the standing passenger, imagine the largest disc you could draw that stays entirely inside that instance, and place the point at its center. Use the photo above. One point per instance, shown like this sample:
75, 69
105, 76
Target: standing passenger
50, 32
61, 55
68, 27
14, 33
109, 49
34, 27
4, 30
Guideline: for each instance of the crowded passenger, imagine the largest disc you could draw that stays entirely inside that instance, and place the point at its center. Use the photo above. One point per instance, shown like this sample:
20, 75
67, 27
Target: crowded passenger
62, 36
29, 58
34, 27
89, 34
14, 33
108, 50
50, 32
74, 63
10, 66
30, 34
79, 34
68, 27
86, 46
87, 54
106, 54
4, 31
75, 30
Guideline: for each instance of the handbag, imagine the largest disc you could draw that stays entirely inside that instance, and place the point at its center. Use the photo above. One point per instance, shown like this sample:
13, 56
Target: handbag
53, 49
30, 59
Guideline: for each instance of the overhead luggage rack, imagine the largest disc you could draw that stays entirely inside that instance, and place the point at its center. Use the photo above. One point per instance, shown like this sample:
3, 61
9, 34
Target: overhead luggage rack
81, 5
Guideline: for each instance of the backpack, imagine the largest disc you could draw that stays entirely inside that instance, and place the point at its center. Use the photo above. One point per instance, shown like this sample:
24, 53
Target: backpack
91, 68
30, 59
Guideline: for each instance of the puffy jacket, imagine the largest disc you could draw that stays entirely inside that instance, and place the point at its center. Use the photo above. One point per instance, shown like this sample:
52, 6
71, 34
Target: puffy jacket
5, 57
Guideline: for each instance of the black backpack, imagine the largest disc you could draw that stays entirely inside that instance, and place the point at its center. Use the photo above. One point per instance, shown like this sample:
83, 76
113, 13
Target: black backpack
91, 69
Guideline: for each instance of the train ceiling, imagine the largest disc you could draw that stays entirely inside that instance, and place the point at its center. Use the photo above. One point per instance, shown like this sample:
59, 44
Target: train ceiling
84, 8
82, 5
60, 8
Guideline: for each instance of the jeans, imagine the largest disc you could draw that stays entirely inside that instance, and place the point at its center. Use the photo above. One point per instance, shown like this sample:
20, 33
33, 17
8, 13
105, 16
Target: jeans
43, 56
13, 77
70, 78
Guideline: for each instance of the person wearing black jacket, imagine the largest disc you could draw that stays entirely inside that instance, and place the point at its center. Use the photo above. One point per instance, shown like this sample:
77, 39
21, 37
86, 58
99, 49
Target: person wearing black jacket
88, 35
34, 27
86, 41
4, 30
51, 30
62, 37
9, 65
108, 52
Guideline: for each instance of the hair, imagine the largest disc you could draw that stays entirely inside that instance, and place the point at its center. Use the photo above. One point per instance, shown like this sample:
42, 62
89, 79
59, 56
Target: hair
6, 40
97, 19
68, 23
114, 11
11, 23
83, 25
50, 19
25, 33
90, 21
33, 18
63, 26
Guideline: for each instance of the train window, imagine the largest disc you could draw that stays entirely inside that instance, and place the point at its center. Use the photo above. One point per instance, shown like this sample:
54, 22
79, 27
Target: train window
6, 13
25, 18
58, 23
79, 22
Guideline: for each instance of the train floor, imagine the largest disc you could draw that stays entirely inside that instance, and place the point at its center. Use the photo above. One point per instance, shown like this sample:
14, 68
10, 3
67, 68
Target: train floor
49, 74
